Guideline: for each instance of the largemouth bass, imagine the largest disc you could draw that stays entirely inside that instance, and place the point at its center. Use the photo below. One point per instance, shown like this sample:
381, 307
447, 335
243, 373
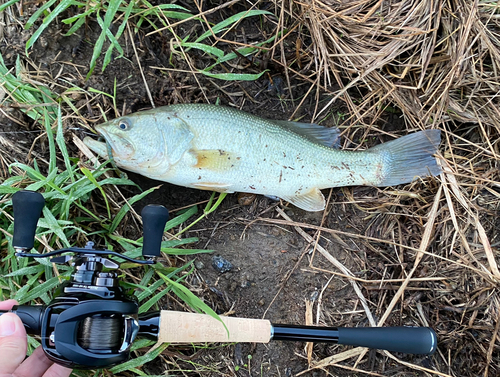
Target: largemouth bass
218, 148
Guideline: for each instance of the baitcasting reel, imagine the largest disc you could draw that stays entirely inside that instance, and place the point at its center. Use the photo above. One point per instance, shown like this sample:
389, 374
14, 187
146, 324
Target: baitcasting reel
92, 322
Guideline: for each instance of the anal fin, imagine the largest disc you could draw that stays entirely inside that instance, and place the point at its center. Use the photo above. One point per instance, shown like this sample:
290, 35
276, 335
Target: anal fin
312, 201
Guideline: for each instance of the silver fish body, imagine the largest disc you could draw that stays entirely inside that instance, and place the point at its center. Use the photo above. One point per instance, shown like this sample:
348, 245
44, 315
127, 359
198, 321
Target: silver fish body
219, 148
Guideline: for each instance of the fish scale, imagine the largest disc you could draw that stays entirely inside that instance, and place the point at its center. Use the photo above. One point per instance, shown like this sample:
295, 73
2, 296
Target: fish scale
223, 149
265, 156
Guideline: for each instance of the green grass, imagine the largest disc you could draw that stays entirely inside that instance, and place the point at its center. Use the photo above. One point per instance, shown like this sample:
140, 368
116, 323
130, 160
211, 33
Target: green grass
118, 13
68, 187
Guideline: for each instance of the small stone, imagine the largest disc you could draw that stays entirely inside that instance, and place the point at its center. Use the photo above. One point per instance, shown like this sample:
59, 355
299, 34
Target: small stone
275, 232
245, 199
199, 264
76, 96
221, 265
261, 302
43, 42
233, 286
246, 280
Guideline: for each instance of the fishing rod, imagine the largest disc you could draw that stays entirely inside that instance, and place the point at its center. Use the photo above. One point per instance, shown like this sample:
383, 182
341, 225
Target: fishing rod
92, 322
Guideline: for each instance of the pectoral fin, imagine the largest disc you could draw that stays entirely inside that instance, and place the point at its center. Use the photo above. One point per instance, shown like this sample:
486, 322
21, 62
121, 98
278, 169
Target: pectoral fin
213, 186
311, 201
177, 137
214, 159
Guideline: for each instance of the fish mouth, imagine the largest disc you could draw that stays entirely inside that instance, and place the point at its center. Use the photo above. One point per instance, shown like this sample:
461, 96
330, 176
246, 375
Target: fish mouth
96, 146
113, 145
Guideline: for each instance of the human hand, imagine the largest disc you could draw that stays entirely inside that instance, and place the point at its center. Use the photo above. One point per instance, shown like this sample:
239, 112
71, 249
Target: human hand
13, 345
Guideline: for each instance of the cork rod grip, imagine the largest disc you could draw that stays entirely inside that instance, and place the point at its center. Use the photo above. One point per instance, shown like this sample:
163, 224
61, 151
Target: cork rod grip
180, 327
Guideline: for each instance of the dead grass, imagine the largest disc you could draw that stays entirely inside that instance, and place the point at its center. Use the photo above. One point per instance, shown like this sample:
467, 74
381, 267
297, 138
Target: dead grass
436, 60
438, 63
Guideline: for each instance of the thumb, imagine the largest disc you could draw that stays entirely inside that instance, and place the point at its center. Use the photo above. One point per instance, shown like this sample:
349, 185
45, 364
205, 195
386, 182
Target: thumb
13, 343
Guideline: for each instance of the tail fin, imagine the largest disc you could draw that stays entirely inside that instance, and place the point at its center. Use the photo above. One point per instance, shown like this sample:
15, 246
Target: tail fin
409, 157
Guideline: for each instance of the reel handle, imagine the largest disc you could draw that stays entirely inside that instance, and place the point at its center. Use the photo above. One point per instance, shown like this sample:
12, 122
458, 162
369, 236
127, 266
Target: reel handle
154, 218
27, 207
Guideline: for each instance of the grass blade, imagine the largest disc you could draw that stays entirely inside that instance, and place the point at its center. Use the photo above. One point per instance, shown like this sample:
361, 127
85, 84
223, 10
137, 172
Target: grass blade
61, 143
231, 20
208, 209
107, 57
38, 13
139, 361
189, 298
234, 76
51, 223
36, 292
63, 5
8, 4
92, 179
205, 48
178, 220
76, 26
123, 211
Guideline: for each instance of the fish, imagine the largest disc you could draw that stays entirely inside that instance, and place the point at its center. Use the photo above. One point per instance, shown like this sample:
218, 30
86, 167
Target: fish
211, 147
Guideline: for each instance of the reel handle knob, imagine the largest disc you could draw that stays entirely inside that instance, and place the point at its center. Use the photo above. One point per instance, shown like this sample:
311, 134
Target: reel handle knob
154, 218
27, 207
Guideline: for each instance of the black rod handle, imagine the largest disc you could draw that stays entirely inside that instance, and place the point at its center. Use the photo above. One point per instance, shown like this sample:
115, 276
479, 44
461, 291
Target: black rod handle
27, 207
414, 340
31, 315
154, 218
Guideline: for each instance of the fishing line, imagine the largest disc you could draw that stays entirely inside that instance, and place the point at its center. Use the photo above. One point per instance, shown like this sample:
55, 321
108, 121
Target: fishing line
100, 333
111, 159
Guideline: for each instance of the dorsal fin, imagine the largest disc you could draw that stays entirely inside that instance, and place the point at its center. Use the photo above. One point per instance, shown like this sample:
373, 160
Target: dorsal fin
329, 137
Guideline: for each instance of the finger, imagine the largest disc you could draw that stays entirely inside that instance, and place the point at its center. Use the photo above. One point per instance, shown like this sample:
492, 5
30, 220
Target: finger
35, 365
7, 305
57, 371
13, 342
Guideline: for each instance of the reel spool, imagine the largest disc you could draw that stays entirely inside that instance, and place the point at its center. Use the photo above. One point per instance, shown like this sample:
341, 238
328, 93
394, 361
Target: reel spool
100, 333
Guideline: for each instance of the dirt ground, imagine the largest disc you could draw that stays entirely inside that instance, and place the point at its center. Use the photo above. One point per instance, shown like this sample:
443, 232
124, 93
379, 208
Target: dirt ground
275, 270
274, 274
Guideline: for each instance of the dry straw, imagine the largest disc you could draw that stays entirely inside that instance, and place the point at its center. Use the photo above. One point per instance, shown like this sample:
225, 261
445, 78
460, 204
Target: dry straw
437, 60
437, 64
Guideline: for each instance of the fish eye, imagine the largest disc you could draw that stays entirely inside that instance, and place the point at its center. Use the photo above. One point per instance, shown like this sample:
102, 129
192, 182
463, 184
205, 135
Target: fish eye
124, 124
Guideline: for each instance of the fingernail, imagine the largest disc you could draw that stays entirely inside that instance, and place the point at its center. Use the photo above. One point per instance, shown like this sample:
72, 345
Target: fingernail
7, 324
